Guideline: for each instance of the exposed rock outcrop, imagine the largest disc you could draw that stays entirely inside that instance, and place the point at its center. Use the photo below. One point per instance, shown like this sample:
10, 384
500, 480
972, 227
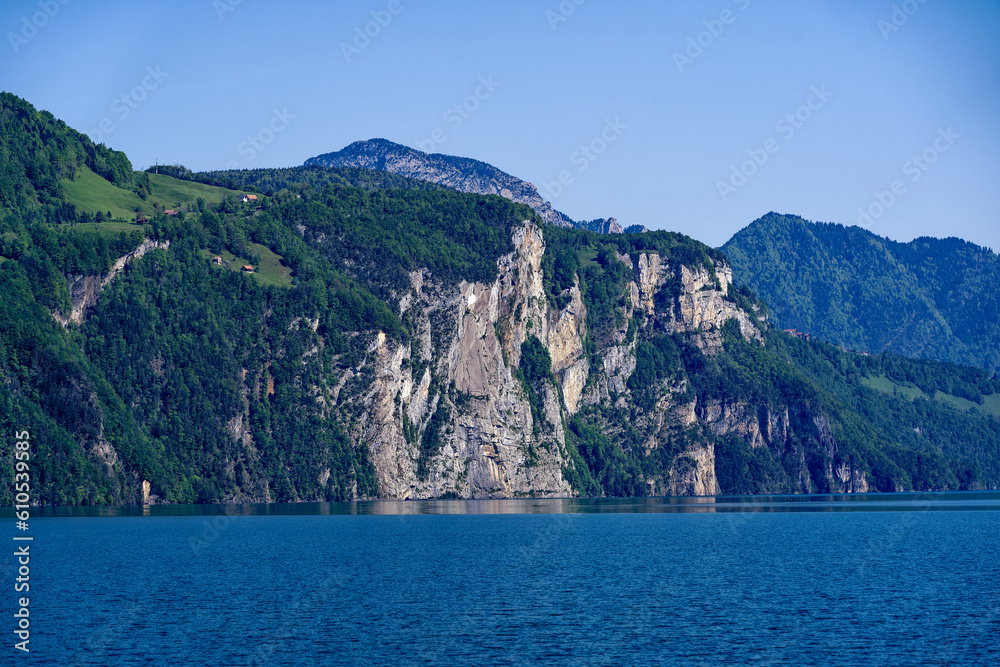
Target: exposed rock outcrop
446, 415
604, 226
84, 290
470, 340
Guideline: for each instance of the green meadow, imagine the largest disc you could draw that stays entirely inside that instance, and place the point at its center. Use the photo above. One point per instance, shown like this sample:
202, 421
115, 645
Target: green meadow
990, 404
91, 193
269, 271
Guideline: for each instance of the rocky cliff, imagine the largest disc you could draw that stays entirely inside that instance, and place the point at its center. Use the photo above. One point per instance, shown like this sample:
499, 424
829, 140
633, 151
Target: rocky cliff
456, 386
610, 226
462, 174
84, 289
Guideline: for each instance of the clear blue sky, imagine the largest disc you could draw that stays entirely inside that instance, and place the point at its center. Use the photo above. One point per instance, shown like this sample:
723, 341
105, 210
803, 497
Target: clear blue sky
888, 92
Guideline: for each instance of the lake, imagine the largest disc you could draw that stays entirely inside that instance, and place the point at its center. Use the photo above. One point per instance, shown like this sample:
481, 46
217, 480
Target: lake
882, 579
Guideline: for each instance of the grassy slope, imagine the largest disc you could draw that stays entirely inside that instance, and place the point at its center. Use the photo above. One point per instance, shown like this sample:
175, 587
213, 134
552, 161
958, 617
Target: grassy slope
991, 403
173, 192
588, 258
270, 271
89, 192
104, 228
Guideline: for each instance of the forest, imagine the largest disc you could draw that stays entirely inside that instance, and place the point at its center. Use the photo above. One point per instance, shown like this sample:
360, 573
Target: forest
927, 298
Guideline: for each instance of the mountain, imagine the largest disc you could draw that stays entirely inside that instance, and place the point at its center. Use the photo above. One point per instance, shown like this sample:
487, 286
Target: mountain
459, 173
607, 226
929, 298
335, 341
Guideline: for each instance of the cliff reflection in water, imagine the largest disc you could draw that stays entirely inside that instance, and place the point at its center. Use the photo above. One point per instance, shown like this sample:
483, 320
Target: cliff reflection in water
879, 502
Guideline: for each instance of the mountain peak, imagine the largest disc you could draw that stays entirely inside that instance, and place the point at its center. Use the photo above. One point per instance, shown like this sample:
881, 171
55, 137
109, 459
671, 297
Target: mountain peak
460, 173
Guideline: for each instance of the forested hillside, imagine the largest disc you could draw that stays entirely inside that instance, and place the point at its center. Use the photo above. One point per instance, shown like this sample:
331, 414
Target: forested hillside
929, 298
408, 342
271, 181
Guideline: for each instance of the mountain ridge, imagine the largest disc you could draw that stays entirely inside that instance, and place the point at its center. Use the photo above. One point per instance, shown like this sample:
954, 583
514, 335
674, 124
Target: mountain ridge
460, 173
928, 298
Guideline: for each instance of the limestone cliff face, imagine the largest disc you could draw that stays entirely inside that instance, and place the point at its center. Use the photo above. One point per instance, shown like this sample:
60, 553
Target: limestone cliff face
699, 306
463, 364
446, 414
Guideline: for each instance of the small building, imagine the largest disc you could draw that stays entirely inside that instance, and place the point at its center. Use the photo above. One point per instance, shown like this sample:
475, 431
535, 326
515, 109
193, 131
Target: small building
247, 268
170, 211
798, 334
248, 198
216, 260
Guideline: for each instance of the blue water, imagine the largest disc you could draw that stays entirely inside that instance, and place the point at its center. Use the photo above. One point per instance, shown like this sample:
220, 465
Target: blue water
875, 580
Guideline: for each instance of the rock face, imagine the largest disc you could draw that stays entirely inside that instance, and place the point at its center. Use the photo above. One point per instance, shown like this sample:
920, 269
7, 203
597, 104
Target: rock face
462, 174
446, 415
469, 339
450, 411
84, 290
608, 226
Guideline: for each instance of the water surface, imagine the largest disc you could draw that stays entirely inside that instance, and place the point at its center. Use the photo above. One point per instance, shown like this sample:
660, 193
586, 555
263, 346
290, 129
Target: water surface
882, 579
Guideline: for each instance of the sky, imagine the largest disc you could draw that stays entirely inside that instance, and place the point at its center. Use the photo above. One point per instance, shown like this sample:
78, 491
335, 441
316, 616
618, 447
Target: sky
697, 117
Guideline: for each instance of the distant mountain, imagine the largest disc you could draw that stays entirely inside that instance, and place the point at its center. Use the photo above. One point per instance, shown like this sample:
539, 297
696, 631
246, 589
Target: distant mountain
460, 173
929, 298
602, 226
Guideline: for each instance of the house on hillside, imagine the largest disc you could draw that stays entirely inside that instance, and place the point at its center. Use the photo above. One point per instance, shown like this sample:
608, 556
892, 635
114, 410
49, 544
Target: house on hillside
247, 268
217, 260
249, 199
798, 334
170, 211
